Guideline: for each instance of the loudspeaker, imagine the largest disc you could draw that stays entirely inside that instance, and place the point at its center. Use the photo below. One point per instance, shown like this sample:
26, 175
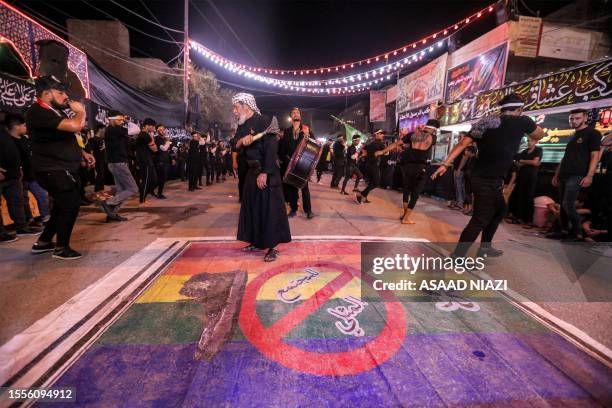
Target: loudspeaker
53, 60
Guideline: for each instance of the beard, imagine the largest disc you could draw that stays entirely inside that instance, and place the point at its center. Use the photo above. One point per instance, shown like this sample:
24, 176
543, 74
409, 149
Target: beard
242, 118
58, 105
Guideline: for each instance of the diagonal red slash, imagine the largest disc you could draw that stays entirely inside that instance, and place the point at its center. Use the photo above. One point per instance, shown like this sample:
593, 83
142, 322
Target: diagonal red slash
285, 324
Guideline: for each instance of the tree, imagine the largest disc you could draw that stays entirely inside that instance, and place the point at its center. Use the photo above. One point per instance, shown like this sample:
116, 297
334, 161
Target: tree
215, 101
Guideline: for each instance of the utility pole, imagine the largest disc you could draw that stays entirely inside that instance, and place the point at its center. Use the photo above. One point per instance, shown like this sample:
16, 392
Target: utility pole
186, 62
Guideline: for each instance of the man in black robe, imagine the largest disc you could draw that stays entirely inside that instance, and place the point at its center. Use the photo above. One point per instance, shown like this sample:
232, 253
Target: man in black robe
292, 138
263, 221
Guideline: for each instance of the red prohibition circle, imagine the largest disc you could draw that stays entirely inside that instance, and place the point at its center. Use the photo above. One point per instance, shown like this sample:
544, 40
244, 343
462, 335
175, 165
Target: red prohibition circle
269, 340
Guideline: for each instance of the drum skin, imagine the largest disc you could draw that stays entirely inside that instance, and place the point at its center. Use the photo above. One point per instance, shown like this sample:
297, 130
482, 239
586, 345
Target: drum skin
303, 163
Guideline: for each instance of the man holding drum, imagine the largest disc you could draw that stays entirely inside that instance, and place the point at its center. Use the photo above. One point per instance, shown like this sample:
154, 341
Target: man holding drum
292, 138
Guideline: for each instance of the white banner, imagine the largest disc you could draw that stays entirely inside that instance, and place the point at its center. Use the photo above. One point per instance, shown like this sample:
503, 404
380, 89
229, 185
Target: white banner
378, 109
528, 35
565, 43
423, 86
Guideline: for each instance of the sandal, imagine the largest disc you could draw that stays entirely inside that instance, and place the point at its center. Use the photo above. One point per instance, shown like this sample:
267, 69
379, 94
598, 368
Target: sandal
249, 248
271, 255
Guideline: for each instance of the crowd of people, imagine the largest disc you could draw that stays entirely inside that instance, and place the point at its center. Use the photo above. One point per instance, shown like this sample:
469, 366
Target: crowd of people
41, 155
51, 154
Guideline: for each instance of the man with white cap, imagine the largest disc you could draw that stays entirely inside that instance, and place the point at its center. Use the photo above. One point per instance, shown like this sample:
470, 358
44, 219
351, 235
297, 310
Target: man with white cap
117, 146
263, 219
498, 138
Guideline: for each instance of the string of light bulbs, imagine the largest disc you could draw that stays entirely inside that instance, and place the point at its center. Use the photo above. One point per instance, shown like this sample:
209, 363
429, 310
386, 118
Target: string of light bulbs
422, 43
348, 84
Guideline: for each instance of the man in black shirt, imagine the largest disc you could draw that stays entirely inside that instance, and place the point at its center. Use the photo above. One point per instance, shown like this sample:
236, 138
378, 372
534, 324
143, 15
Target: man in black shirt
97, 147
194, 162
17, 129
339, 160
117, 139
56, 158
416, 151
498, 138
162, 159
11, 187
292, 138
373, 150
576, 170
145, 150
352, 154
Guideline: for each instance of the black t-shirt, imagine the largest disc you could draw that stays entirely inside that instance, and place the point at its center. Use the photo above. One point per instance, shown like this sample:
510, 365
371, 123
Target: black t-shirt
161, 156
352, 149
97, 147
10, 159
410, 155
527, 169
117, 144
371, 148
577, 155
338, 151
144, 154
52, 149
497, 147
25, 152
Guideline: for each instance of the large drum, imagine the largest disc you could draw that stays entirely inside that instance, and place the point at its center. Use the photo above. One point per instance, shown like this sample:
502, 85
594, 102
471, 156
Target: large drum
303, 163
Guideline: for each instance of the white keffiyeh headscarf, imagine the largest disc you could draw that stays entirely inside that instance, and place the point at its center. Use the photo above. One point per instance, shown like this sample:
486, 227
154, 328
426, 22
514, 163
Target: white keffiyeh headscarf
247, 99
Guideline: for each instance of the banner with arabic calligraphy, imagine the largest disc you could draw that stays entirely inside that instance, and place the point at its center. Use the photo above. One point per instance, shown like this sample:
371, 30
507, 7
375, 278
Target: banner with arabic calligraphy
413, 118
15, 95
582, 84
481, 73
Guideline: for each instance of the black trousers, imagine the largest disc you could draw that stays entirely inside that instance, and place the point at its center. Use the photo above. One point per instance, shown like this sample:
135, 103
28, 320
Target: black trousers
100, 176
413, 177
194, 170
489, 210
162, 176
12, 191
524, 193
348, 174
148, 181
292, 195
181, 164
338, 172
210, 172
373, 175
64, 188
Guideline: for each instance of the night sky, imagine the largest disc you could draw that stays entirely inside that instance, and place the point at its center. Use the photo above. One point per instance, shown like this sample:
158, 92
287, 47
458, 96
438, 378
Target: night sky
285, 33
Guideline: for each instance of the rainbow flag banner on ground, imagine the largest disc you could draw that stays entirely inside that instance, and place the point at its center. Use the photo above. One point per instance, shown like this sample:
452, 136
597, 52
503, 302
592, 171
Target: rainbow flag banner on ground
222, 328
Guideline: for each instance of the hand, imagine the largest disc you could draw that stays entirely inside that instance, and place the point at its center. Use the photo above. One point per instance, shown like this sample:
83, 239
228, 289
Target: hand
91, 161
262, 180
306, 130
439, 172
247, 140
378, 153
174, 162
555, 181
76, 107
586, 181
